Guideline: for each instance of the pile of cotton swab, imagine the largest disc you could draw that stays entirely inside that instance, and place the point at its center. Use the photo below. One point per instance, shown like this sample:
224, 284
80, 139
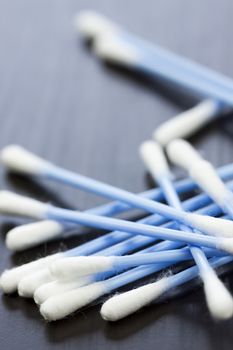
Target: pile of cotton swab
195, 235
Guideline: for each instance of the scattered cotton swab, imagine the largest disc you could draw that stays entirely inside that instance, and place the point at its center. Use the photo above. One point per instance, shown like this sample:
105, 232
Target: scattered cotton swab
53, 288
93, 25
186, 123
202, 171
154, 158
207, 224
35, 166
127, 303
10, 278
81, 266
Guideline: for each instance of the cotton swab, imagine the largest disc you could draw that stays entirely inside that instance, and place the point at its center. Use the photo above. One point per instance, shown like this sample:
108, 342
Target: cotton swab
26, 162
12, 203
93, 25
131, 275
153, 156
82, 266
116, 50
124, 304
36, 233
10, 278
60, 306
29, 283
183, 154
187, 123
58, 287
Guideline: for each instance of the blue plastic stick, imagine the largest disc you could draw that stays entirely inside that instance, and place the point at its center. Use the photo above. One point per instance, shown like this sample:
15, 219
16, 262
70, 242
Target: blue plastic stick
100, 222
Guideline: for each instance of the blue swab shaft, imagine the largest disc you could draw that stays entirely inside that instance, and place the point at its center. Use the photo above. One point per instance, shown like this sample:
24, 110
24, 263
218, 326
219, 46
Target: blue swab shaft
158, 257
134, 228
175, 280
151, 62
179, 62
115, 193
173, 199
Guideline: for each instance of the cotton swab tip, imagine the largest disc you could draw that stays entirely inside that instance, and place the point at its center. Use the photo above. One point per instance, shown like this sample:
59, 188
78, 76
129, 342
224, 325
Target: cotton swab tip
53, 288
214, 226
110, 48
14, 204
18, 159
10, 278
219, 300
152, 155
124, 304
182, 153
29, 284
186, 123
92, 24
60, 306
80, 266
30, 235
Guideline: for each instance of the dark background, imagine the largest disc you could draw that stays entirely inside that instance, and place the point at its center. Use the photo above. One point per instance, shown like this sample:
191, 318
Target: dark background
59, 101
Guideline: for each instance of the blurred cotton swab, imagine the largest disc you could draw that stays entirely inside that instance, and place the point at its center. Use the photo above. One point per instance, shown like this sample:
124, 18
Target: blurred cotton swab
154, 158
93, 25
19, 159
116, 50
187, 123
127, 303
183, 154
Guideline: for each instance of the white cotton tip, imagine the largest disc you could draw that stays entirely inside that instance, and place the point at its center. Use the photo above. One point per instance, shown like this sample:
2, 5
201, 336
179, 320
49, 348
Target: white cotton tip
218, 298
60, 306
28, 284
204, 174
110, 48
80, 266
153, 157
181, 153
14, 204
30, 235
92, 24
226, 244
186, 123
53, 288
125, 304
213, 226
10, 278
18, 159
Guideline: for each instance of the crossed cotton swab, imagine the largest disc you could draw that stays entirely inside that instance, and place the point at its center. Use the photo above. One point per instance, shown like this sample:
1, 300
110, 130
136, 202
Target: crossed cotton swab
39, 232
11, 278
124, 304
35, 277
15, 204
183, 154
82, 266
155, 161
20, 160
60, 306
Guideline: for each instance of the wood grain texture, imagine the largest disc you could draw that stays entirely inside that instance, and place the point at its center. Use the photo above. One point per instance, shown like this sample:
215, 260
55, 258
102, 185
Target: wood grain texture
59, 101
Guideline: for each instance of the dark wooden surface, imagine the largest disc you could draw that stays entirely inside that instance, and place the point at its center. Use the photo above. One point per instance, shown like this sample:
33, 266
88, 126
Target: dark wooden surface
59, 101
